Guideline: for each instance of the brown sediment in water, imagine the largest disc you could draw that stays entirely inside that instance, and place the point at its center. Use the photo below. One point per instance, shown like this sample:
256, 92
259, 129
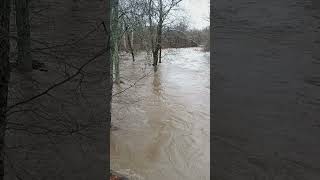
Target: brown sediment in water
117, 176
114, 177
163, 120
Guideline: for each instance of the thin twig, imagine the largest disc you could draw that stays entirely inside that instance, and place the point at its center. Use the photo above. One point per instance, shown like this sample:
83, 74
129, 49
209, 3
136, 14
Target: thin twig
132, 85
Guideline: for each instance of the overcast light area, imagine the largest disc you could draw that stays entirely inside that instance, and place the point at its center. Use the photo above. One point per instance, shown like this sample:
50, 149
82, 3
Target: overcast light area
197, 12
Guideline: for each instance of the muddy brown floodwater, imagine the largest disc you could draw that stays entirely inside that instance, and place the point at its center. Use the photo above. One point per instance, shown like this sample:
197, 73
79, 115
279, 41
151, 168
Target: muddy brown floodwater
163, 121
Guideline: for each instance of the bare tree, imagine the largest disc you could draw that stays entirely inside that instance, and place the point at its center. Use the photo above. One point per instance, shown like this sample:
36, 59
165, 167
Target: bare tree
4, 74
158, 12
131, 19
23, 29
127, 39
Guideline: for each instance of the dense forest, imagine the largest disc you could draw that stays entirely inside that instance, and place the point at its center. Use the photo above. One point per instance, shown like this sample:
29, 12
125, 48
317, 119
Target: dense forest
59, 63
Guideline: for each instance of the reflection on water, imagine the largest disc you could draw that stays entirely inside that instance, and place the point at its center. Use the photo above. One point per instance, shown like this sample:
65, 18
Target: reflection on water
163, 121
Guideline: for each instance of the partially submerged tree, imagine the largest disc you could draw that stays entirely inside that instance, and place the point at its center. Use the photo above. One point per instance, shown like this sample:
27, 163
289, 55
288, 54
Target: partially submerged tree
130, 44
127, 39
131, 19
158, 13
4, 74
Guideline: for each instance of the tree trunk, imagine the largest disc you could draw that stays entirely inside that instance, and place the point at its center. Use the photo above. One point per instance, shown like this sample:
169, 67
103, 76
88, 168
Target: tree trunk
115, 39
157, 46
124, 36
4, 74
109, 79
159, 30
151, 35
159, 40
132, 38
23, 29
130, 46
124, 42
160, 52
155, 58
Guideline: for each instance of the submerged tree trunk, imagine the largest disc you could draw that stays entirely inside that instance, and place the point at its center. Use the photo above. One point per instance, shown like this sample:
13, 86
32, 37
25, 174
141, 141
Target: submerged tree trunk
159, 30
130, 44
155, 57
160, 53
159, 38
124, 37
115, 39
23, 29
151, 35
157, 49
4, 74
156, 44
125, 42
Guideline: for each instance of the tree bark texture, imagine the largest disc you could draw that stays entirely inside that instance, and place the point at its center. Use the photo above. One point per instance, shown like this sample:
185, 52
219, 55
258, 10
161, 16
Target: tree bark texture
4, 74
23, 29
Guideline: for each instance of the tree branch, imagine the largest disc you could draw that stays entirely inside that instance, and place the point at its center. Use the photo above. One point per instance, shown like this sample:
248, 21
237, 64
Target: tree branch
63, 81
